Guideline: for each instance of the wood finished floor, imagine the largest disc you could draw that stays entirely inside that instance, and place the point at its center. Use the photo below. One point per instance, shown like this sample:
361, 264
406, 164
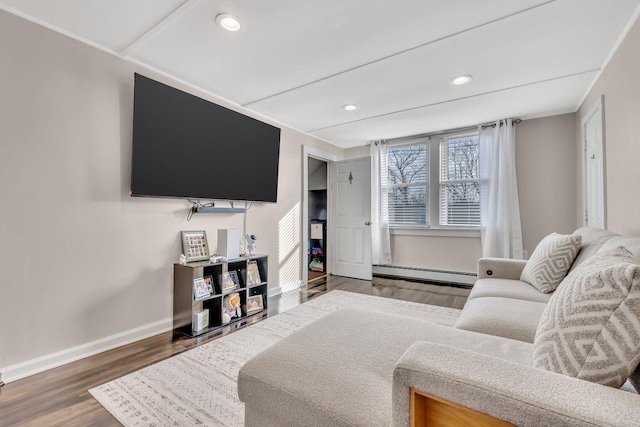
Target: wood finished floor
60, 397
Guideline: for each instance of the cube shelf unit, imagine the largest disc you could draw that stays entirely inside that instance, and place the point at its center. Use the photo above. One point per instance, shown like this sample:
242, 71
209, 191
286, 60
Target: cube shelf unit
185, 304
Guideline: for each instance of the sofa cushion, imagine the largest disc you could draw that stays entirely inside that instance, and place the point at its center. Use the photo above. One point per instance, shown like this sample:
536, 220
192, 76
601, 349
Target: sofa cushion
592, 241
591, 326
550, 261
338, 371
630, 243
505, 288
503, 317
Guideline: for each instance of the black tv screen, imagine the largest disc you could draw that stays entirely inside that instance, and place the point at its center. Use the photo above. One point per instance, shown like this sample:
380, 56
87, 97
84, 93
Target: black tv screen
185, 146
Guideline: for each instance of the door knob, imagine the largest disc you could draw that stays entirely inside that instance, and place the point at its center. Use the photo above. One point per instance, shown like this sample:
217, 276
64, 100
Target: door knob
367, 223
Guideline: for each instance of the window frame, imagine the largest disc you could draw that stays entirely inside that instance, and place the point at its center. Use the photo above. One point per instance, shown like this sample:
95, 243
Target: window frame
407, 142
434, 228
447, 137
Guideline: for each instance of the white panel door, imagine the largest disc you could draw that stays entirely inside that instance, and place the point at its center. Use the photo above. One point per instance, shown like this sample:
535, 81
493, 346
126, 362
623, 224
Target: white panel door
594, 167
352, 218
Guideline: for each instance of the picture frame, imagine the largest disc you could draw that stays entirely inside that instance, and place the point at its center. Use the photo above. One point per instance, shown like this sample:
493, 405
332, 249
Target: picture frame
255, 303
230, 281
195, 246
208, 280
200, 289
253, 273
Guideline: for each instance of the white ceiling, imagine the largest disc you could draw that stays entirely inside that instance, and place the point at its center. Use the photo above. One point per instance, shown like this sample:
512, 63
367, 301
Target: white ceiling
298, 62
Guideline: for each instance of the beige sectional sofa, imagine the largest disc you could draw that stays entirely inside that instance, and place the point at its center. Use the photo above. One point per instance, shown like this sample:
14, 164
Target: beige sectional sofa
356, 367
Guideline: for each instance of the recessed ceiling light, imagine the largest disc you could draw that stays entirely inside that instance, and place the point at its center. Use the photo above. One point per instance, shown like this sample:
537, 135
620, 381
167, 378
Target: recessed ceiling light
229, 22
461, 80
350, 107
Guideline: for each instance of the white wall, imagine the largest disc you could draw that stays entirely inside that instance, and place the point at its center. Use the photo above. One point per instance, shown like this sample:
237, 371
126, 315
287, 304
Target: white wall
317, 174
621, 89
546, 165
79, 259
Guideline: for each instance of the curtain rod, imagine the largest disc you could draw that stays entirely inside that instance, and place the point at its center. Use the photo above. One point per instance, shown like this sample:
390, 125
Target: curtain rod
441, 132
424, 135
493, 125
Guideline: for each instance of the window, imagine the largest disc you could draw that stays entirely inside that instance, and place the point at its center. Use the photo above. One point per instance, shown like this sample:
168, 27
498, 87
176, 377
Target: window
459, 181
445, 166
408, 185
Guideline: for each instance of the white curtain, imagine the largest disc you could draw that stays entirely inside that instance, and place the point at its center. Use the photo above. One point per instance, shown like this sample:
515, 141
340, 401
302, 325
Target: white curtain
500, 209
380, 240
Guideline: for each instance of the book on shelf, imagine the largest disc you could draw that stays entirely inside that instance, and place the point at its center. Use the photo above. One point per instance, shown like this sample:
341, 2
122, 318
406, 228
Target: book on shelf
200, 320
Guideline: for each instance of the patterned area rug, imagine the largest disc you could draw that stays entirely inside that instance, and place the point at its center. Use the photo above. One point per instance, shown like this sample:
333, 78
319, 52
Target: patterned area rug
198, 387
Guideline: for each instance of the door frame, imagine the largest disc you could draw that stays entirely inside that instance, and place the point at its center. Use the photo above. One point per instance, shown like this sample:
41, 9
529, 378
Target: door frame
596, 108
315, 153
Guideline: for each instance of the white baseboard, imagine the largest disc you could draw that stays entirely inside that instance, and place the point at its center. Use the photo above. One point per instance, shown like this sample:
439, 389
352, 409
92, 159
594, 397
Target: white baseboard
272, 292
53, 360
425, 274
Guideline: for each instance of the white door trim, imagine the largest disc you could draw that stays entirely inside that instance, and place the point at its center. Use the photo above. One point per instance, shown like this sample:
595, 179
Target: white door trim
597, 108
304, 221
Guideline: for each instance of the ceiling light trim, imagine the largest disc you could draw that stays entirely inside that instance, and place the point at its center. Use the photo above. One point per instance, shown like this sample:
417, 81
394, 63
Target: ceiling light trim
404, 110
229, 22
461, 80
393, 55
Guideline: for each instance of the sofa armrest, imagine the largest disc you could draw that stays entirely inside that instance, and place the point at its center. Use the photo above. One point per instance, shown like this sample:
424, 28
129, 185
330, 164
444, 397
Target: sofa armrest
519, 394
500, 268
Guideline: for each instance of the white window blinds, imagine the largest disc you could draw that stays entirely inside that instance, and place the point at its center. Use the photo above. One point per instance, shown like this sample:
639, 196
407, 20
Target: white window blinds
408, 190
459, 183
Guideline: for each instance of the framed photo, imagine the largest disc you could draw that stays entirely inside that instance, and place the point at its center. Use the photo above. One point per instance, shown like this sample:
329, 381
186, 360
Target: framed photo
230, 281
255, 303
195, 246
253, 274
208, 280
200, 290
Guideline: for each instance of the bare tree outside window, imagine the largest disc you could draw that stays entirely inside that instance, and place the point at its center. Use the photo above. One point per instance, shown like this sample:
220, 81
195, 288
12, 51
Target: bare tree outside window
408, 184
459, 181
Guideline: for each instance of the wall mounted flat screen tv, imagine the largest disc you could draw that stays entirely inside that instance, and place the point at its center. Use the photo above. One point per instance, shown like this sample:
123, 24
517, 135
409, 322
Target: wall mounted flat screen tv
187, 147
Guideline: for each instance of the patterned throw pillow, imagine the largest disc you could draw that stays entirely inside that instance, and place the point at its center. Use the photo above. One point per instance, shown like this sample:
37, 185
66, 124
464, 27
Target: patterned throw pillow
551, 261
590, 329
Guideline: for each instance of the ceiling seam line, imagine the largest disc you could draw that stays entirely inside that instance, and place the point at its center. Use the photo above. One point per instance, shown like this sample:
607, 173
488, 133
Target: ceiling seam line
453, 100
148, 67
400, 53
159, 27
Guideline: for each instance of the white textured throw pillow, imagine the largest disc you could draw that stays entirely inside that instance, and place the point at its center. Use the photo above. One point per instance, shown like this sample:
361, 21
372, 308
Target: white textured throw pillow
551, 261
590, 329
